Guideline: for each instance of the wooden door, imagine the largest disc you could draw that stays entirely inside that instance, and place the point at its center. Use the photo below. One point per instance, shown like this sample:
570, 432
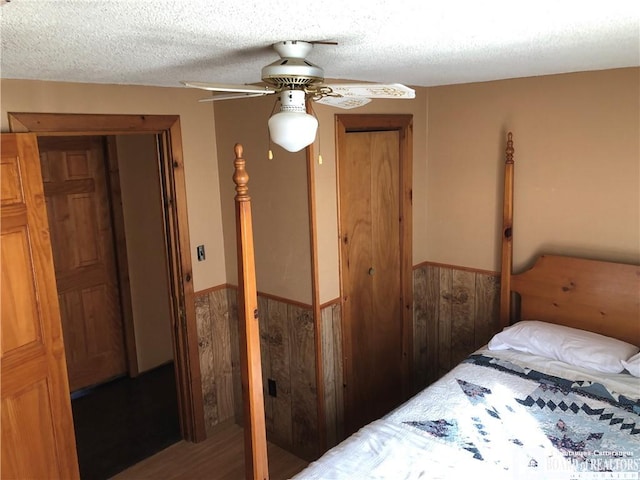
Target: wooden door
38, 440
75, 185
370, 190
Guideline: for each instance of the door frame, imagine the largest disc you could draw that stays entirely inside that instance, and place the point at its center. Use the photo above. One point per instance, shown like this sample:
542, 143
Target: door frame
403, 124
183, 321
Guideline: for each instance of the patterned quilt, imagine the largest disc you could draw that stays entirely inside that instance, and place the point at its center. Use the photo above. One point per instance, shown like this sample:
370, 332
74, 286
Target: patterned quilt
491, 418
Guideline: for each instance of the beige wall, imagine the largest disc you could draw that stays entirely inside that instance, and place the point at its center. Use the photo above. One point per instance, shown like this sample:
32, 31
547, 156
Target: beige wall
577, 172
198, 141
577, 167
278, 190
146, 251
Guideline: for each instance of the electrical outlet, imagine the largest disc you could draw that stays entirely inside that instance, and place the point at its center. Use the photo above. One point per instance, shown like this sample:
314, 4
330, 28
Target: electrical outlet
200, 252
271, 387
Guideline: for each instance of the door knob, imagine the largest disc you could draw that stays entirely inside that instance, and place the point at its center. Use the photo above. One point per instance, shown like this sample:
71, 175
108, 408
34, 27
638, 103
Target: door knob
371, 271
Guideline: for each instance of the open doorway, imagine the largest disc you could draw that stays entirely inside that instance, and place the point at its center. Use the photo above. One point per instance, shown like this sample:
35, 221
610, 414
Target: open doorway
106, 223
166, 132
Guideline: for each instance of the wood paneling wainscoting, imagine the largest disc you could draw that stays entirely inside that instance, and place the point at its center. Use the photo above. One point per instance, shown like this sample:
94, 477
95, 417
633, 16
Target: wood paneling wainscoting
287, 345
455, 312
219, 358
331, 317
287, 342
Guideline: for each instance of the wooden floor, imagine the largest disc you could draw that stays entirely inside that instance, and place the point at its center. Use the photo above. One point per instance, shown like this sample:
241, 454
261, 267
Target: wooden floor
220, 457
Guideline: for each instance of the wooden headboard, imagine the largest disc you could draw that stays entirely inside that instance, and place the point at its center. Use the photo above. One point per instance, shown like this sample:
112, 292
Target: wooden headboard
598, 296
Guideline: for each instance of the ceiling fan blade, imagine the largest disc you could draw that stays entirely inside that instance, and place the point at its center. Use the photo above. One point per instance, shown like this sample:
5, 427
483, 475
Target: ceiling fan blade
344, 102
231, 96
226, 87
373, 90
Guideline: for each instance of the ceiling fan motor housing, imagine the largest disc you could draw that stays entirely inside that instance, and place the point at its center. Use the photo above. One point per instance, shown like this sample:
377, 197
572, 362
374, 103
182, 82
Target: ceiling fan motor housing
292, 69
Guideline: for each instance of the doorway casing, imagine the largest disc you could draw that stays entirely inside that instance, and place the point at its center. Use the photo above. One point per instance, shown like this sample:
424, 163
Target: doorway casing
183, 319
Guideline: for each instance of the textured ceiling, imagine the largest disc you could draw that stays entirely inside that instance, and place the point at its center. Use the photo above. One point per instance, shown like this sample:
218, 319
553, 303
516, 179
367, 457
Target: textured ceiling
416, 42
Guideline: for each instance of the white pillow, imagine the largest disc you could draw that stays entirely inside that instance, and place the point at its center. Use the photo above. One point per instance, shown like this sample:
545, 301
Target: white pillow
633, 365
570, 345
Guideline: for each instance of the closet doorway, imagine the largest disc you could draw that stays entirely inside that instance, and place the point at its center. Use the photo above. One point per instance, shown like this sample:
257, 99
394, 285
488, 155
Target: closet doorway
374, 191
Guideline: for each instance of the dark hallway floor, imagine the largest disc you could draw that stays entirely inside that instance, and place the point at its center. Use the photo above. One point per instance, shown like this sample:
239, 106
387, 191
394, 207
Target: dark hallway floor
120, 423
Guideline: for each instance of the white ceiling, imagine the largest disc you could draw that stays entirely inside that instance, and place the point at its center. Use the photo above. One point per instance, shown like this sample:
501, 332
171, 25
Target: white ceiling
415, 42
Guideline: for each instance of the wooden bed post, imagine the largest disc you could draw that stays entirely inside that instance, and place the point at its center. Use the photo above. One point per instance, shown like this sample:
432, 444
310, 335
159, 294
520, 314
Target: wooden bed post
255, 436
507, 237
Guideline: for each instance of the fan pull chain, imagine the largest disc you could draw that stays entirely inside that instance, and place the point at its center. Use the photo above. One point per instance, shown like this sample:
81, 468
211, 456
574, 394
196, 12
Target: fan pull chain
313, 112
270, 151
319, 149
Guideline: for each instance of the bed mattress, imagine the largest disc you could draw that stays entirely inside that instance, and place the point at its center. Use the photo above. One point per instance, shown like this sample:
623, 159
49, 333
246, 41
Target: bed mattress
500, 415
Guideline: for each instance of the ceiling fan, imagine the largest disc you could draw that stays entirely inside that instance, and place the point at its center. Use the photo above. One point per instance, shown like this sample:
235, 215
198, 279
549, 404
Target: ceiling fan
296, 79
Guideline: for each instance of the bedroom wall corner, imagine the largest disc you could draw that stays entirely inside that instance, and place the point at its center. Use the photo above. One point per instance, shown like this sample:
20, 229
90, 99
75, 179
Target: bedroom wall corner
278, 190
288, 359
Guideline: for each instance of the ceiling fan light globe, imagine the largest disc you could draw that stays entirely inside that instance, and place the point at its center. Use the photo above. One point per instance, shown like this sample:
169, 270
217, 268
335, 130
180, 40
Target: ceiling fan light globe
293, 131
